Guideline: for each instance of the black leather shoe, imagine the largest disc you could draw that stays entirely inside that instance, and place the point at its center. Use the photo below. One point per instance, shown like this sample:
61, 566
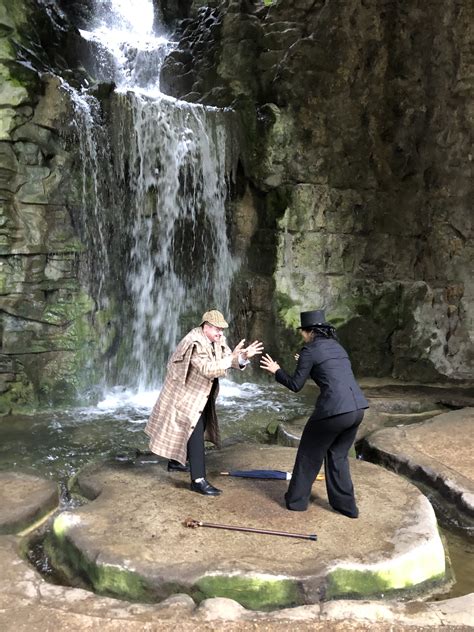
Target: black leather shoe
203, 487
350, 514
175, 466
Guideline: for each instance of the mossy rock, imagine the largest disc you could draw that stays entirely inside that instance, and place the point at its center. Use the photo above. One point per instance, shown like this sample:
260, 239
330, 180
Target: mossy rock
153, 553
255, 593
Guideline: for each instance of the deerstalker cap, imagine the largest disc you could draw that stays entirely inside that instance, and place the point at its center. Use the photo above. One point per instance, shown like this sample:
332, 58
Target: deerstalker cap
214, 317
310, 319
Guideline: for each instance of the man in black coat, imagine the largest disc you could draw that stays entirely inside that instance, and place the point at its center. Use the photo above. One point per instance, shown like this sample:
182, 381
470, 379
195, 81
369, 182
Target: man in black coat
330, 431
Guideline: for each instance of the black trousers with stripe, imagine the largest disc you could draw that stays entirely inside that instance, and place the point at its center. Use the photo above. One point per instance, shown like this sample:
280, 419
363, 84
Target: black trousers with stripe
327, 440
195, 447
197, 464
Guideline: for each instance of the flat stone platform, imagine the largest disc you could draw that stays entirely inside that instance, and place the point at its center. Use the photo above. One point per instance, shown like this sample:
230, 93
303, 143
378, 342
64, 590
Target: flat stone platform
438, 452
131, 541
28, 602
24, 499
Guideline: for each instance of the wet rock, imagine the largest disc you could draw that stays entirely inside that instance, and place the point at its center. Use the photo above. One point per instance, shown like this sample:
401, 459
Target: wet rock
24, 499
377, 244
40, 292
437, 453
152, 554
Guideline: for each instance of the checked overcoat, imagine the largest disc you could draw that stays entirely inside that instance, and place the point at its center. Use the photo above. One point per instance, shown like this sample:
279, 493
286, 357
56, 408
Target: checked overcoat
190, 375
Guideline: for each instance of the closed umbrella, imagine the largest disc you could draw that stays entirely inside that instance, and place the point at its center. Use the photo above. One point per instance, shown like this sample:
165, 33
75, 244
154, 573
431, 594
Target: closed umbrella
265, 474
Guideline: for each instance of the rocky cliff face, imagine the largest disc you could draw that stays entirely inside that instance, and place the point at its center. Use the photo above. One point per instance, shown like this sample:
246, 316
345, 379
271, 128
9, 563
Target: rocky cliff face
355, 188
353, 192
46, 332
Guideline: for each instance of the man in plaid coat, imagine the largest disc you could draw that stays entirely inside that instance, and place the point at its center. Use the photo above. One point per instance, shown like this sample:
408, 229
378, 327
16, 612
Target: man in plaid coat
184, 414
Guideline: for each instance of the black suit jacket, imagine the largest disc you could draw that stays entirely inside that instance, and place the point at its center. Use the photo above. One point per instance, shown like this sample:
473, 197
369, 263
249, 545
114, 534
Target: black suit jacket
327, 363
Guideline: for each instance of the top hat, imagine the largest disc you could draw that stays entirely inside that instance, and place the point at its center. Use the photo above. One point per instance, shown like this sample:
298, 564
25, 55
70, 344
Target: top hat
213, 317
311, 319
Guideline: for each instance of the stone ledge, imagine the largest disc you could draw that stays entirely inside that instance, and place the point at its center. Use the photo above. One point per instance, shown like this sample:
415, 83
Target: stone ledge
390, 405
24, 499
28, 602
436, 453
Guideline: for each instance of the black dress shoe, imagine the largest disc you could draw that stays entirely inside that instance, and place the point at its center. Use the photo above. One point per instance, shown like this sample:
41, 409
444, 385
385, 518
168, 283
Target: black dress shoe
175, 466
350, 514
203, 487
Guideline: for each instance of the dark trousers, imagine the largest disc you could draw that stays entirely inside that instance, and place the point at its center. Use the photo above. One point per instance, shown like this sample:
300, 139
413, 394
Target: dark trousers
195, 447
326, 440
196, 459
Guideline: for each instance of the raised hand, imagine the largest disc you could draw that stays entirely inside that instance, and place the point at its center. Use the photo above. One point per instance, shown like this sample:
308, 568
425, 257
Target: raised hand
254, 348
268, 364
238, 349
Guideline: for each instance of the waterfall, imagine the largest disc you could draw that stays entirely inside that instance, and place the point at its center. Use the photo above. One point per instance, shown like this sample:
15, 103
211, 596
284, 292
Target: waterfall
155, 175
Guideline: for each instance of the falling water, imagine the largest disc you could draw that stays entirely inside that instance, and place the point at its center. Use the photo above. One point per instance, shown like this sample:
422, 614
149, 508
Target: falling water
155, 180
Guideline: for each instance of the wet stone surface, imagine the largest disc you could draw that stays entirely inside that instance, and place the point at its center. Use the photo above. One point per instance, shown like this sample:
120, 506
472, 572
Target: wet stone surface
437, 452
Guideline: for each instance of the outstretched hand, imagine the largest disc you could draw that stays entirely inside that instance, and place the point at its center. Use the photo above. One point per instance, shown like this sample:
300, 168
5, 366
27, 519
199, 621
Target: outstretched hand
238, 349
268, 364
253, 349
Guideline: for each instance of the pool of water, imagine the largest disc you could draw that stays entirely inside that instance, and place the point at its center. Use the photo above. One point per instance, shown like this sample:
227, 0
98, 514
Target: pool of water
57, 444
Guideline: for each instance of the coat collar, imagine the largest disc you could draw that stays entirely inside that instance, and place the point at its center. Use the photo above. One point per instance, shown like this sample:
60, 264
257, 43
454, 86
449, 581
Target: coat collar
196, 336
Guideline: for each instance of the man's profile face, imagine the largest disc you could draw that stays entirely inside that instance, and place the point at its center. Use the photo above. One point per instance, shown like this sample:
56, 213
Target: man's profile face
212, 333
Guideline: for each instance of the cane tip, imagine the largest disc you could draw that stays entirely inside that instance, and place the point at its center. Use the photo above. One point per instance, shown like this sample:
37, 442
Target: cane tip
190, 522
224, 473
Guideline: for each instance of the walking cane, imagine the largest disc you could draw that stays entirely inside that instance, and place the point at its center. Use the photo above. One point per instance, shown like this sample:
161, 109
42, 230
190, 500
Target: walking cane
190, 522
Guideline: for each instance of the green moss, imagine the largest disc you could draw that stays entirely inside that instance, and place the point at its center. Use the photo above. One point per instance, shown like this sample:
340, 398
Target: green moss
256, 593
13, 14
102, 577
424, 564
16, 84
68, 309
6, 50
20, 397
272, 428
109, 579
287, 310
72, 370
61, 358
106, 579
